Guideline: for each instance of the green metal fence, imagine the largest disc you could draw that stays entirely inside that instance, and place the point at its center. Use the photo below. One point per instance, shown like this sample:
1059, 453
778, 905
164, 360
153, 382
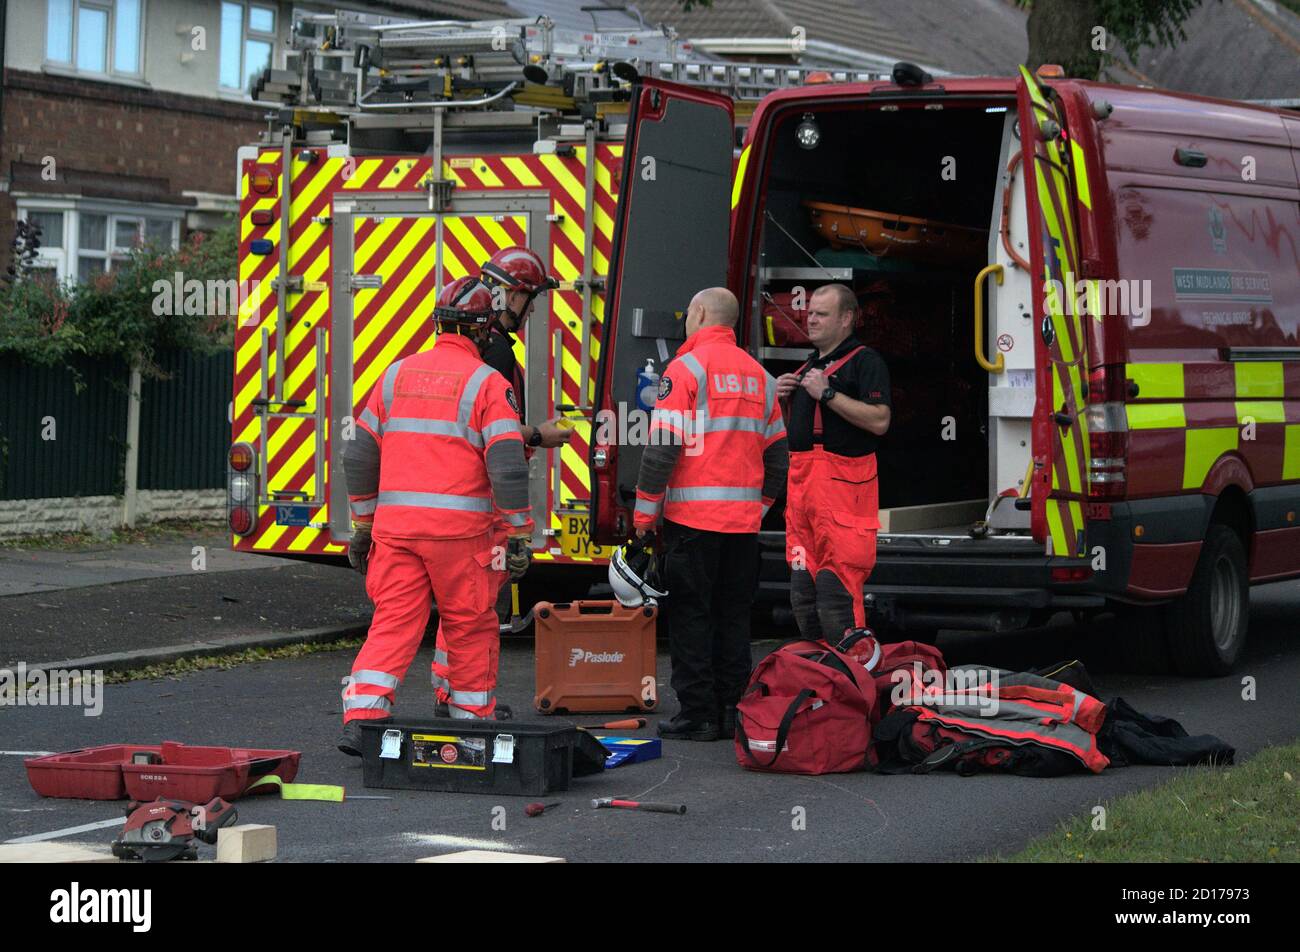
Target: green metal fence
63, 430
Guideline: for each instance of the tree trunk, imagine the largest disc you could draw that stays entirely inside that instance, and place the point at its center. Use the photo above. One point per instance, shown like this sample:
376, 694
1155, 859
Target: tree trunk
1061, 32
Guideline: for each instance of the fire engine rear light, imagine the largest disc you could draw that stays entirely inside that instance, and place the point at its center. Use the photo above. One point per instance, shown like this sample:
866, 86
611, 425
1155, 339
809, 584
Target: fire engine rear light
240, 457
261, 181
262, 216
241, 490
261, 246
241, 521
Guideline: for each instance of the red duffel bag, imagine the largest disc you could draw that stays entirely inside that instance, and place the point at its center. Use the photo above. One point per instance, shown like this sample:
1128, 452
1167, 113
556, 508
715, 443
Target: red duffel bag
808, 710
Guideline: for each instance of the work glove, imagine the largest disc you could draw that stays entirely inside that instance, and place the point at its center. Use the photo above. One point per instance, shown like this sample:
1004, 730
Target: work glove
359, 550
519, 555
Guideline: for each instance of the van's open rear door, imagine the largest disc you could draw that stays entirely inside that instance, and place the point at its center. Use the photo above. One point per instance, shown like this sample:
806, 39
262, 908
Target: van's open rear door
670, 241
1060, 433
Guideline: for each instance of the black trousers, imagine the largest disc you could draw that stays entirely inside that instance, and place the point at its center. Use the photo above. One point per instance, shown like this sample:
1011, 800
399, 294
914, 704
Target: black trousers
822, 607
712, 579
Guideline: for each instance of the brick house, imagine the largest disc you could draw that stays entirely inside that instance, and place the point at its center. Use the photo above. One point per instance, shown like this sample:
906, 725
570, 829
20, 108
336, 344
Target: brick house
120, 119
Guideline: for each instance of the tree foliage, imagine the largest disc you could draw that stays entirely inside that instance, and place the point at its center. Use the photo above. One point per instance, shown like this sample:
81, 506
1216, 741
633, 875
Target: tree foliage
1066, 31
113, 314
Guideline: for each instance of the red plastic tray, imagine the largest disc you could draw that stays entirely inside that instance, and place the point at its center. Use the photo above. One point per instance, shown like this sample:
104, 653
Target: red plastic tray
196, 774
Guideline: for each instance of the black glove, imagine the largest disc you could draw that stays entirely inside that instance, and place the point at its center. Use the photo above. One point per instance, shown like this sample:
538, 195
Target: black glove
359, 550
519, 555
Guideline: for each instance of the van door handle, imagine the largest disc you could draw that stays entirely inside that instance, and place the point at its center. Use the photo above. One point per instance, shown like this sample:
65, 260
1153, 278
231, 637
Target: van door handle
993, 367
1062, 417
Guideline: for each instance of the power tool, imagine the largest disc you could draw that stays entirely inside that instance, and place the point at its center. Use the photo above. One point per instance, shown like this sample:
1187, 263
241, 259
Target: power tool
167, 829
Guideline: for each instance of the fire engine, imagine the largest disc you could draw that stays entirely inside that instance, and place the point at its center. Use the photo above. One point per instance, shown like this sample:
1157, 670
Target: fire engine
399, 156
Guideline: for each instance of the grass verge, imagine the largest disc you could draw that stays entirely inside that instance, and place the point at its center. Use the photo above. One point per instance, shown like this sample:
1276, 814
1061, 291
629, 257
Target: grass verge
1249, 813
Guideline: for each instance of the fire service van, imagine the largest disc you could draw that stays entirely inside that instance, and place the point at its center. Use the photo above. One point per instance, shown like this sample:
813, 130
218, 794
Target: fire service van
1087, 296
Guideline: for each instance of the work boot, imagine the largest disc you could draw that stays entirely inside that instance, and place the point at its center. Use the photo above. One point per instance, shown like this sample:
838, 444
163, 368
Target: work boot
727, 721
683, 728
350, 740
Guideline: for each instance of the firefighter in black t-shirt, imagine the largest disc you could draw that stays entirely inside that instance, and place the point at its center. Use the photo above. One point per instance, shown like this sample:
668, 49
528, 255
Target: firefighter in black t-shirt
837, 406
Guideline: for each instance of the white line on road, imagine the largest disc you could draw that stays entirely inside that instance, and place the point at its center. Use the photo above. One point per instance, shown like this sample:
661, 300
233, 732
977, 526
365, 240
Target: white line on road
55, 834
25, 753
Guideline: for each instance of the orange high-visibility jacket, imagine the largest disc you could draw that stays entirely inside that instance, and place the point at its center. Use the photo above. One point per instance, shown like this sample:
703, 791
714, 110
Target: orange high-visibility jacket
445, 434
719, 405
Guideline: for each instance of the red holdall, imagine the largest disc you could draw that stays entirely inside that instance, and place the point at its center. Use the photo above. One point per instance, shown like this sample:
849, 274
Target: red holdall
808, 710
898, 669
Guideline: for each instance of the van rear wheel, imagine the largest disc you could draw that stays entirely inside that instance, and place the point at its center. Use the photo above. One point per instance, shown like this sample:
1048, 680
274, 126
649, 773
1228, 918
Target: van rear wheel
1207, 626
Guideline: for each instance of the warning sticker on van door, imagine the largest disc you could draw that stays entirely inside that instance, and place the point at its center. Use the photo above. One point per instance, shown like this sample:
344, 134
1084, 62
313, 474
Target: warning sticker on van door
448, 752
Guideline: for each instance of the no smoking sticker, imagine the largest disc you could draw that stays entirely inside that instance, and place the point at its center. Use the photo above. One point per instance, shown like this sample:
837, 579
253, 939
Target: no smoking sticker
1005, 343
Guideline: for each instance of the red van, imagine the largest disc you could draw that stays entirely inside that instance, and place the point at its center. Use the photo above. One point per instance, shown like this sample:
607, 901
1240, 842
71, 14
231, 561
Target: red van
1087, 296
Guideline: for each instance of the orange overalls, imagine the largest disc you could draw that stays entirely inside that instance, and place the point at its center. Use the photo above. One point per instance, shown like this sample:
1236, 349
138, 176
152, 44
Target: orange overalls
438, 417
831, 519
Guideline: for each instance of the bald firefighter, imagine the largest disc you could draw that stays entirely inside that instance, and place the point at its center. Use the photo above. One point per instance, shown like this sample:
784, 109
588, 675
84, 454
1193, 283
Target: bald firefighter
715, 463
436, 470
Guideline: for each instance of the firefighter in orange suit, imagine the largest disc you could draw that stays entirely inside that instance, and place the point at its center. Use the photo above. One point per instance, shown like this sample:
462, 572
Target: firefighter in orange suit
715, 463
437, 466
837, 406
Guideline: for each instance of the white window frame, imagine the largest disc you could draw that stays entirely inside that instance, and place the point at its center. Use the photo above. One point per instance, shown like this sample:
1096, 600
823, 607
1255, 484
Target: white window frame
67, 259
246, 34
111, 69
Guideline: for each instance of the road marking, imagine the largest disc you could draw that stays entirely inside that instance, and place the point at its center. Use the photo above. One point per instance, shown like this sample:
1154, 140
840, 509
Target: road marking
25, 753
459, 842
55, 834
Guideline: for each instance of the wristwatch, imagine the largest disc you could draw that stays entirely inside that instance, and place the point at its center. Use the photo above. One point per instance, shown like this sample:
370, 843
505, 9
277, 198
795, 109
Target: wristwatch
827, 395
536, 438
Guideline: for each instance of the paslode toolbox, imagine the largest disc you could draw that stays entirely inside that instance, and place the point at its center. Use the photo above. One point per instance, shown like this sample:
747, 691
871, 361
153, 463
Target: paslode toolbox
456, 755
594, 657
146, 772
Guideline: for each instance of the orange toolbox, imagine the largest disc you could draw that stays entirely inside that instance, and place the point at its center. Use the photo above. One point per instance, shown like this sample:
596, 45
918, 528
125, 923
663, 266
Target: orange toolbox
595, 657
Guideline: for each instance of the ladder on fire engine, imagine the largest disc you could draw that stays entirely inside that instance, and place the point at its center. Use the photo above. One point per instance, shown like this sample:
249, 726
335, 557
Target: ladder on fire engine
349, 62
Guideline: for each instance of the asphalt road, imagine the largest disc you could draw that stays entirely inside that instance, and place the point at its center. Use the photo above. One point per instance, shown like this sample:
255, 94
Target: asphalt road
733, 814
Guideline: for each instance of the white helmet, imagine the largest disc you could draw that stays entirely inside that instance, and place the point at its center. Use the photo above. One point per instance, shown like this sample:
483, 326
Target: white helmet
634, 575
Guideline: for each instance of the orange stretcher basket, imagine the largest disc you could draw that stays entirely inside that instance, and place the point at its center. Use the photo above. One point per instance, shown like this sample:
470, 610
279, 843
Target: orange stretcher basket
884, 233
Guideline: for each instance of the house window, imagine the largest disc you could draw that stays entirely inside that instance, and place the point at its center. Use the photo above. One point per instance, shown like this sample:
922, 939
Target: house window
79, 243
247, 40
94, 36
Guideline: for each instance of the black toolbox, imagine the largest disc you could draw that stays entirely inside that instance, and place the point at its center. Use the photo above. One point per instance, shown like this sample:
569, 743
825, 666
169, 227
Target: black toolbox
473, 756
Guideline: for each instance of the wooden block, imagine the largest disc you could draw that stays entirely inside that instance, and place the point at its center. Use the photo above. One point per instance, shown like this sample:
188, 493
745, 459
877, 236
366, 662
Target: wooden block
489, 856
245, 843
52, 853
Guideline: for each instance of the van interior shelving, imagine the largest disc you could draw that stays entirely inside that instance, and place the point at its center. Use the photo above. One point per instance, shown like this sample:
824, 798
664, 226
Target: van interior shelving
930, 177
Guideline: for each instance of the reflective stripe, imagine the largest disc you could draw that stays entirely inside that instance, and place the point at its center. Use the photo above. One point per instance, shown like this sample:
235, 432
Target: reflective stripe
436, 501
649, 507
441, 682
766, 507
439, 657
363, 507
732, 423
476, 698
499, 428
433, 428
467, 399
367, 702
775, 428
715, 494
769, 397
692, 363
460, 713
369, 419
517, 518
390, 379
378, 678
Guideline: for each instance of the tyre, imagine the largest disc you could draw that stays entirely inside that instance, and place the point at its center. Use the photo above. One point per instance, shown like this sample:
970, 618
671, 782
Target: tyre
1207, 626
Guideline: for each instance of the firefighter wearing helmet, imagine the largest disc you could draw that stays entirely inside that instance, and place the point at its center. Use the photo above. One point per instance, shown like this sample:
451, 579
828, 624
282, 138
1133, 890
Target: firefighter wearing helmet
517, 276
436, 480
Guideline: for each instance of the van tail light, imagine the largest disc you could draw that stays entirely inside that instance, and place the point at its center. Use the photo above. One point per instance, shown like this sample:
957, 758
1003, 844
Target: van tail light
241, 489
1107, 433
1071, 573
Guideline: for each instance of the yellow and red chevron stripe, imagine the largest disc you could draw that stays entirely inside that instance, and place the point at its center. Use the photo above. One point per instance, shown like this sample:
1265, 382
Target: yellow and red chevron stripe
393, 320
